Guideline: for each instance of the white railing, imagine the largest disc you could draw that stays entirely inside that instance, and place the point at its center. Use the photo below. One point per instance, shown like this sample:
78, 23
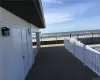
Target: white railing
87, 55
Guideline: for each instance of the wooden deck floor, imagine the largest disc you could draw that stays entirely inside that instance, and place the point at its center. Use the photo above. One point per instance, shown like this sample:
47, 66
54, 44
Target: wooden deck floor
56, 63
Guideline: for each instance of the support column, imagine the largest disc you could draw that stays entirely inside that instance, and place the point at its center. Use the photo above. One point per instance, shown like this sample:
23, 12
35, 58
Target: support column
38, 40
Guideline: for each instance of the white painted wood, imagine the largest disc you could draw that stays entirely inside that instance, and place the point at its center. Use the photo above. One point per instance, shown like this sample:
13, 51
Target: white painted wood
18, 64
12, 65
34, 28
1, 51
7, 57
10, 20
25, 51
30, 49
11, 62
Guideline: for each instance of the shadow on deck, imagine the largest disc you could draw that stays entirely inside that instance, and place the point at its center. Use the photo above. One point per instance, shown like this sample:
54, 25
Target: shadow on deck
56, 63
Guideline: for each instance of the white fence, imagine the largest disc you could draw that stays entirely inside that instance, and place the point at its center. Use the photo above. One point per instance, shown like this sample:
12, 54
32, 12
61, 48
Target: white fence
87, 55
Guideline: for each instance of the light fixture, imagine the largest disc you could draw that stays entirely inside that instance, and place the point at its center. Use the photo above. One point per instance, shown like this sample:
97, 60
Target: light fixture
5, 31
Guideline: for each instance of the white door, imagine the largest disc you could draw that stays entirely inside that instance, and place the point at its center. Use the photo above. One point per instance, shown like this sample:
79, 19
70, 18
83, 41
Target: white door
18, 64
25, 51
30, 49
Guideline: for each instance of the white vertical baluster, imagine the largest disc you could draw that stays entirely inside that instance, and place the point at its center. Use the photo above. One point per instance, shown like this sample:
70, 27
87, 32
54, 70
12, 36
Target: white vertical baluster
84, 47
74, 49
99, 63
96, 62
92, 60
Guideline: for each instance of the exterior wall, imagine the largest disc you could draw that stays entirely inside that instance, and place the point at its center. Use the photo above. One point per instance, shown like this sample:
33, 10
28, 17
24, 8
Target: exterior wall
34, 29
12, 48
10, 19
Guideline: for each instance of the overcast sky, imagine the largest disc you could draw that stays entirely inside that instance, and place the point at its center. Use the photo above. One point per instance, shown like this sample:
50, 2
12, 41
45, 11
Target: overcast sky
71, 15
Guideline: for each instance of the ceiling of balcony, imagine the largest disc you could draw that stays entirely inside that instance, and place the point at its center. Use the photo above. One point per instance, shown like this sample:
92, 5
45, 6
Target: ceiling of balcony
29, 10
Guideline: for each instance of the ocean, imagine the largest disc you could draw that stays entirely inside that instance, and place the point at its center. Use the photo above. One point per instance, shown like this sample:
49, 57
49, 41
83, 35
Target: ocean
66, 33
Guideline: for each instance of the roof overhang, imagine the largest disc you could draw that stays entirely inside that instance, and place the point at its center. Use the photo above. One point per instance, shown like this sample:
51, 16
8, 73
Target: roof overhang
29, 10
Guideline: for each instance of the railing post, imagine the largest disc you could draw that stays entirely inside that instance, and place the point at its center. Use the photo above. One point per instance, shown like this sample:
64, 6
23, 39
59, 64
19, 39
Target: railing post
74, 50
99, 63
38, 40
84, 47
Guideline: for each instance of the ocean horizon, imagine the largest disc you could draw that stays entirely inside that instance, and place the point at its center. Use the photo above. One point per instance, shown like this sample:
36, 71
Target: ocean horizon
66, 33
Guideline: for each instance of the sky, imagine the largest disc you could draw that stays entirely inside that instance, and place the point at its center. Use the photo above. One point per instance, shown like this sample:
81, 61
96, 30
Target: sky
71, 15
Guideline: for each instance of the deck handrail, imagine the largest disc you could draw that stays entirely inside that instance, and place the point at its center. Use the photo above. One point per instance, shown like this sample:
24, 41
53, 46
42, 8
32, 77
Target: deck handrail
90, 57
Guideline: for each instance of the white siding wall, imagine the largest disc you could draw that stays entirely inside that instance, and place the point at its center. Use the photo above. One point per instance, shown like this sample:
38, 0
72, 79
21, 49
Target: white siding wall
34, 29
8, 52
10, 19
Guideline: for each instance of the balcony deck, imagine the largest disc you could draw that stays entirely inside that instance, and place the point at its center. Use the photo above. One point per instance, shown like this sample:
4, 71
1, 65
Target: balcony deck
56, 63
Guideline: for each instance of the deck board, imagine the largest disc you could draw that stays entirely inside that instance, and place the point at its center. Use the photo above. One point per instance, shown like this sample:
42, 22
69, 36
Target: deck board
56, 63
